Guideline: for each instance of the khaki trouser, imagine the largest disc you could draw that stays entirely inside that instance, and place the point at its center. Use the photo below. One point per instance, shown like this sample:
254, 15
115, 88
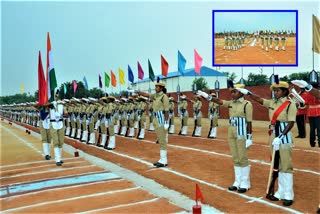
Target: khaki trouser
238, 148
45, 134
162, 134
57, 136
285, 151
142, 121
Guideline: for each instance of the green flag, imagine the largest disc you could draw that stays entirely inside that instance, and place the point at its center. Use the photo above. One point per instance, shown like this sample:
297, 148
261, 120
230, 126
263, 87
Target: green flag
106, 80
151, 74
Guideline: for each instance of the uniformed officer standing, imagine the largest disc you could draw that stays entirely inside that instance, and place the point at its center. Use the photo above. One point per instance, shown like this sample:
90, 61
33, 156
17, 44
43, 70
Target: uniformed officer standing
280, 137
197, 115
109, 111
141, 107
130, 113
184, 115
171, 115
213, 117
150, 109
44, 127
161, 120
57, 127
239, 135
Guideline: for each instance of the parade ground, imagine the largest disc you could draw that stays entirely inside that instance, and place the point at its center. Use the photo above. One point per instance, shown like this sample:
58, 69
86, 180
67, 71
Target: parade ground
255, 54
124, 180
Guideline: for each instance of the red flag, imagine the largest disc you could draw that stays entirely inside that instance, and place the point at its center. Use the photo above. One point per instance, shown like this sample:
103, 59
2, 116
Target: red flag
197, 62
199, 194
75, 85
113, 79
42, 85
140, 72
164, 66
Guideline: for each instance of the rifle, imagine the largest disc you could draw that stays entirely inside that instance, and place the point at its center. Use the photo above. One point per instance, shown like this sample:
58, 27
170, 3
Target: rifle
273, 173
195, 126
211, 124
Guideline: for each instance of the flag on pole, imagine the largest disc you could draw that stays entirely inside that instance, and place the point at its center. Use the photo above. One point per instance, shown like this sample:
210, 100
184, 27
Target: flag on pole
51, 75
113, 79
164, 66
197, 62
140, 72
75, 86
181, 62
106, 80
199, 194
315, 34
130, 75
64, 89
121, 77
42, 89
85, 82
100, 81
151, 74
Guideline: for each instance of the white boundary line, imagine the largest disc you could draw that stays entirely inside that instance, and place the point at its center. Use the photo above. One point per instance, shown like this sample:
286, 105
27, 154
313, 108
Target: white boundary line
70, 199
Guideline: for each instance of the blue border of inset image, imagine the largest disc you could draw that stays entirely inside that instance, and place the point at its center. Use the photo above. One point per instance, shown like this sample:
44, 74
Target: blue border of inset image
254, 65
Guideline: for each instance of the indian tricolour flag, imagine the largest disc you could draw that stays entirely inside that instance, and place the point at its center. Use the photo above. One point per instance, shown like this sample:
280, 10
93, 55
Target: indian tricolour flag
51, 76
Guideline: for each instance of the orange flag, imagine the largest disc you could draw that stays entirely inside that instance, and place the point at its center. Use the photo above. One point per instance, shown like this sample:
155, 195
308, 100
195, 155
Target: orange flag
113, 79
164, 66
198, 194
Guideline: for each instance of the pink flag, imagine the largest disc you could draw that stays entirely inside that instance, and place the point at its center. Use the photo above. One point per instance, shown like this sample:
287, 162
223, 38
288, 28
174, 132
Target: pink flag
75, 85
140, 72
197, 62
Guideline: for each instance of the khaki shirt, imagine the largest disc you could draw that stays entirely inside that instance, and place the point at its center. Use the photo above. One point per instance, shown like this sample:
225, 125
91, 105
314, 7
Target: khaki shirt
160, 102
183, 105
273, 105
239, 108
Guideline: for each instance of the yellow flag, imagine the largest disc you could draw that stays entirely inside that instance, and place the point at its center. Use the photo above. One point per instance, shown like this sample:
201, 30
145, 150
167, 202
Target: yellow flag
22, 89
316, 34
121, 77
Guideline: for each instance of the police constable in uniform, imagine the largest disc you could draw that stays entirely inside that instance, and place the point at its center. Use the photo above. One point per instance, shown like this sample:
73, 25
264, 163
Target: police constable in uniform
280, 138
213, 116
184, 115
171, 115
239, 134
161, 119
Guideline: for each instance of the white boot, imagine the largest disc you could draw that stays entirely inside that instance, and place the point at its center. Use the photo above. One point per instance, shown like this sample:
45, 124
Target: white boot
73, 132
136, 124
283, 48
131, 132
184, 130
57, 155
67, 131
141, 135
123, 130
245, 179
112, 143
171, 130
237, 179
151, 128
92, 138
103, 140
46, 150
198, 131
213, 132
78, 134
267, 49
116, 129
84, 136
288, 186
276, 48
96, 126
163, 157
280, 192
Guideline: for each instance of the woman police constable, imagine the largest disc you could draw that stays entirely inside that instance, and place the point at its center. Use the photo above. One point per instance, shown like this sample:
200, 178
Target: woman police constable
281, 137
160, 121
239, 134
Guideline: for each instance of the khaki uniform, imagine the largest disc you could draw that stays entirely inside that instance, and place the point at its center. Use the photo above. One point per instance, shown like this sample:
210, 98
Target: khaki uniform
141, 107
285, 176
44, 127
213, 117
171, 117
240, 112
184, 115
197, 116
150, 109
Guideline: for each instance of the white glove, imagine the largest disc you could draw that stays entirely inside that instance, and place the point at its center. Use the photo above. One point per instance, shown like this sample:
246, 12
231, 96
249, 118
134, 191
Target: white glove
276, 142
302, 84
204, 94
248, 143
244, 91
166, 125
132, 91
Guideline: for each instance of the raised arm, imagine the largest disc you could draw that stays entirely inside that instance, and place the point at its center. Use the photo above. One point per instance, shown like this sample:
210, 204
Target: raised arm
249, 93
209, 97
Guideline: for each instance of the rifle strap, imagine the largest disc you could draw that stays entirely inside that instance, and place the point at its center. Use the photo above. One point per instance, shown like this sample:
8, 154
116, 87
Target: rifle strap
277, 113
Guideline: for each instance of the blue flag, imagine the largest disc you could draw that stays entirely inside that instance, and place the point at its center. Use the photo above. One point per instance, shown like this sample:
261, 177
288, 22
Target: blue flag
85, 82
181, 62
130, 75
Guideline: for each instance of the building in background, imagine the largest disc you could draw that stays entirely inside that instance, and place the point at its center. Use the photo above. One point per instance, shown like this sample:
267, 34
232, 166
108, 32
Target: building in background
184, 80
